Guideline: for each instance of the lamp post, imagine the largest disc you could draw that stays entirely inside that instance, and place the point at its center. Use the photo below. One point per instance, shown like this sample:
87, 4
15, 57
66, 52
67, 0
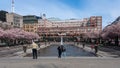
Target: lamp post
45, 31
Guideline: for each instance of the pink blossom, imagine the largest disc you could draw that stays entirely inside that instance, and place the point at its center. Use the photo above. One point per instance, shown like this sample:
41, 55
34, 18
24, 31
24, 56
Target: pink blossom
1, 32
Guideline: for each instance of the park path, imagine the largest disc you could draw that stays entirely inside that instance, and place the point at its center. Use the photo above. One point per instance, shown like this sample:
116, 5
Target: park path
102, 51
54, 62
104, 61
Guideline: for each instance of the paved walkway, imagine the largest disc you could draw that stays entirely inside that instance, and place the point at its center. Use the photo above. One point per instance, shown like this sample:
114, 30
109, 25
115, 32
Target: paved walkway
54, 62
103, 61
22, 54
102, 53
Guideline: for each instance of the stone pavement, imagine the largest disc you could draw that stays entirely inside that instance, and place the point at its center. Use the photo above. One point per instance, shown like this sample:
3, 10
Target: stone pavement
54, 62
108, 53
22, 54
103, 61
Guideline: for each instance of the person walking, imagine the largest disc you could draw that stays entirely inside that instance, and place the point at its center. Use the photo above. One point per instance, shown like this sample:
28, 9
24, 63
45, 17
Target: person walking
83, 45
34, 50
24, 48
96, 49
59, 51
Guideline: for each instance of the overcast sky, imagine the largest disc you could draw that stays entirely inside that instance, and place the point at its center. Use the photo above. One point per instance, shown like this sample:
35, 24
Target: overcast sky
66, 9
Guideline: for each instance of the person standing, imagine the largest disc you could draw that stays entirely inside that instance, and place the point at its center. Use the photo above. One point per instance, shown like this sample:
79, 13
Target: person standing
59, 51
34, 50
83, 45
96, 49
24, 48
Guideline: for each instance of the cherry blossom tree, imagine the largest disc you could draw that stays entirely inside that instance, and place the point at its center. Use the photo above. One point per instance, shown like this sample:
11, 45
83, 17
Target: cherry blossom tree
92, 36
15, 35
112, 32
115, 33
105, 32
1, 33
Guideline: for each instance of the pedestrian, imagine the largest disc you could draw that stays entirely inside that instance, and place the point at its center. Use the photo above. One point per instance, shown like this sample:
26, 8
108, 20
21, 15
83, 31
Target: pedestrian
83, 45
96, 49
59, 51
24, 48
34, 50
60, 48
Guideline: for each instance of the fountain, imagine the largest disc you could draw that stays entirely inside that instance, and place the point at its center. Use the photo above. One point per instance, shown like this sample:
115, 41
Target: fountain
61, 34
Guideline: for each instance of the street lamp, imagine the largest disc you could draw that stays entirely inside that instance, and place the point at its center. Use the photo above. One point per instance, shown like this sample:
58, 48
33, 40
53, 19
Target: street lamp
44, 19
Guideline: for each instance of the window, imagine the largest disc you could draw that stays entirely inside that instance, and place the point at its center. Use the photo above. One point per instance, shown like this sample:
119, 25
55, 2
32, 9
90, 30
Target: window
88, 24
89, 30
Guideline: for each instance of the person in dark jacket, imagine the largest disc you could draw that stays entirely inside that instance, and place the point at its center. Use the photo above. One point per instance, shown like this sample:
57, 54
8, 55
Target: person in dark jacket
60, 50
24, 48
96, 49
83, 45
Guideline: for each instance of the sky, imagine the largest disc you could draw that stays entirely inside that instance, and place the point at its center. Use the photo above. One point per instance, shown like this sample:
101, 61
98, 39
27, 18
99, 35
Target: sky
66, 9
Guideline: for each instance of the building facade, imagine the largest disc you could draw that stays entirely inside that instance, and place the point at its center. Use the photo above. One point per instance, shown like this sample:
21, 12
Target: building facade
5, 25
30, 23
70, 27
15, 20
3, 15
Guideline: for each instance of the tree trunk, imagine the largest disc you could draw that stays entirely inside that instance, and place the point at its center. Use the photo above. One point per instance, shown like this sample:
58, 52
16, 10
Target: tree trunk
116, 41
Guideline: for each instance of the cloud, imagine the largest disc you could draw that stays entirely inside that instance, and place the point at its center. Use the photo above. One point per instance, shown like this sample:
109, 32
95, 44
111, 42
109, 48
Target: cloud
108, 9
51, 9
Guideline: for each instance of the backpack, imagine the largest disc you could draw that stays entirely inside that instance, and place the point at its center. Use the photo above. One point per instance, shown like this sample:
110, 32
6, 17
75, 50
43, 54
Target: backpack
63, 49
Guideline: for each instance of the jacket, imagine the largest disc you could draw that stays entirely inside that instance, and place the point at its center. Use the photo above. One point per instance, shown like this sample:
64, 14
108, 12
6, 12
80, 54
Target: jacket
34, 46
